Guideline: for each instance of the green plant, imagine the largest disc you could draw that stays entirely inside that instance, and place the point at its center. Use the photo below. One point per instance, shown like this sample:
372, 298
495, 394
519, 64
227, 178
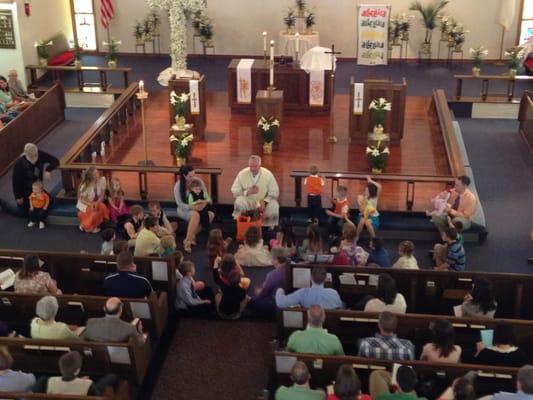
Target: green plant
112, 49
42, 48
268, 128
310, 20
290, 19
205, 29
478, 53
377, 156
457, 34
148, 27
138, 31
182, 148
429, 15
515, 55
404, 24
155, 18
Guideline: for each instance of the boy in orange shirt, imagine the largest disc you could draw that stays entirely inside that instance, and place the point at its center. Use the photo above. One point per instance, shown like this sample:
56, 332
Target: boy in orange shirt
39, 202
340, 211
313, 184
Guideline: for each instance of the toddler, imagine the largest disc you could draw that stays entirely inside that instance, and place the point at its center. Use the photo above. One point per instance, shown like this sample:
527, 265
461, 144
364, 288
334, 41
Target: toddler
439, 203
313, 184
108, 236
117, 206
39, 202
197, 196
216, 245
193, 297
168, 245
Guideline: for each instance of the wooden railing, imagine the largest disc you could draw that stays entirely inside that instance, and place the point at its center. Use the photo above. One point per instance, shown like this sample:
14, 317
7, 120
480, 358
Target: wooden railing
34, 123
525, 117
77, 159
509, 96
440, 117
82, 85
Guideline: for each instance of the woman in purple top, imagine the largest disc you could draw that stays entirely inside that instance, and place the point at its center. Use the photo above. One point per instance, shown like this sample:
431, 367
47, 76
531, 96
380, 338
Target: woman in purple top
264, 299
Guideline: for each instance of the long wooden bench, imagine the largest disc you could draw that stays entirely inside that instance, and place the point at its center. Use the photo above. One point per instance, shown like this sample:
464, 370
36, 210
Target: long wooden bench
17, 310
45, 396
40, 356
350, 326
426, 291
84, 273
324, 369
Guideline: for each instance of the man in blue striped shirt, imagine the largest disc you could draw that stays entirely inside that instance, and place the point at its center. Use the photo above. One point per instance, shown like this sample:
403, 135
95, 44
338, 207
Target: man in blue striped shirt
385, 345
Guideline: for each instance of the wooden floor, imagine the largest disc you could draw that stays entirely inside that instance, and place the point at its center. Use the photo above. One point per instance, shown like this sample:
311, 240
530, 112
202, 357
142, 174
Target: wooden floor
232, 138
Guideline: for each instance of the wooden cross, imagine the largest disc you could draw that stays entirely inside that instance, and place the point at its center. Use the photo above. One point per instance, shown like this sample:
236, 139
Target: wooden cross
193, 100
333, 53
358, 99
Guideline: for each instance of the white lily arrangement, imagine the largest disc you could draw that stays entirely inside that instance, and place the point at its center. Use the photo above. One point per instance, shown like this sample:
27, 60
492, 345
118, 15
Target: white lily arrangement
478, 54
377, 156
178, 102
178, 10
380, 104
515, 54
183, 142
41, 45
268, 128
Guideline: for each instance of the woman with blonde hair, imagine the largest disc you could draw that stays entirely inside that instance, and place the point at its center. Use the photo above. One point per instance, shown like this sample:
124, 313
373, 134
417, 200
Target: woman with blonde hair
91, 195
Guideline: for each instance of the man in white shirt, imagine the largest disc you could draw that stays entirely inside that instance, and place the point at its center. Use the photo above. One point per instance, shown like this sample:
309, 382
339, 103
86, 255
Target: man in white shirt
256, 188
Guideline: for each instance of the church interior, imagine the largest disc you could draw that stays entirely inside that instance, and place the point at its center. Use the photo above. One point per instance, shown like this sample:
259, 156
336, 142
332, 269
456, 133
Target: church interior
229, 156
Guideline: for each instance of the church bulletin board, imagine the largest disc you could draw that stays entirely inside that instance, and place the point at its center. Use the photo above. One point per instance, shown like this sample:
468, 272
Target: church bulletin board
372, 34
7, 30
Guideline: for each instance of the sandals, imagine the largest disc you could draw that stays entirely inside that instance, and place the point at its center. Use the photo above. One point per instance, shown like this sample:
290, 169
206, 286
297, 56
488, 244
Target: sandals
187, 246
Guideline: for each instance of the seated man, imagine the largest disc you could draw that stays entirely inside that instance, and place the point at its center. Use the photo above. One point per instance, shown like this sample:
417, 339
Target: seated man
69, 382
127, 282
16, 89
380, 384
300, 390
256, 188
315, 339
13, 381
316, 294
461, 206
385, 345
524, 386
111, 328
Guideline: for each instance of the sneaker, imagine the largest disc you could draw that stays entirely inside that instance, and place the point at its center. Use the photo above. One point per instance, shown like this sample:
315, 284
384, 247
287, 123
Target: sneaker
42, 225
31, 224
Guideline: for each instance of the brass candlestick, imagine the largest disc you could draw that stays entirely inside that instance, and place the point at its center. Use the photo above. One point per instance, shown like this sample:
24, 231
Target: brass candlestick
142, 96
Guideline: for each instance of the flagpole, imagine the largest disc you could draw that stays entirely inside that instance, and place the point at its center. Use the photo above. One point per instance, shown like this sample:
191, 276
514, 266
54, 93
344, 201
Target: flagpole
108, 35
500, 58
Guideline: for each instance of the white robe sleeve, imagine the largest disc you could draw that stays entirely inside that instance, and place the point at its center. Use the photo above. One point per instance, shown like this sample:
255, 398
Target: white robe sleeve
272, 188
237, 188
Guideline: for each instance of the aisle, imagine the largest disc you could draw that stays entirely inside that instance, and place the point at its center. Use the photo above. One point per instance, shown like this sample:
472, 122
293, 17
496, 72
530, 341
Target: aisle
216, 360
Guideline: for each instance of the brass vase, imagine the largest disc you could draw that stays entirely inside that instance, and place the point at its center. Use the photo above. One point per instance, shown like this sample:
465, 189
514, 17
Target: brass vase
180, 122
77, 63
476, 72
43, 62
512, 72
267, 148
377, 170
180, 161
112, 64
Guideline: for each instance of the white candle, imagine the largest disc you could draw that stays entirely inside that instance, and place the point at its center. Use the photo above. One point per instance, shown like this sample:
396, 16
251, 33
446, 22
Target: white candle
297, 42
271, 75
141, 86
264, 42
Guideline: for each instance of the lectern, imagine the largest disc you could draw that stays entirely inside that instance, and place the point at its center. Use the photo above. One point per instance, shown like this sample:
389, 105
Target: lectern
181, 85
360, 125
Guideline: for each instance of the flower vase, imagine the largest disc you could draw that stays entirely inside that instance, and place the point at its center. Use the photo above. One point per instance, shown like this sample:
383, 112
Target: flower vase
43, 62
377, 170
511, 72
77, 63
290, 31
458, 47
476, 72
180, 161
112, 64
139, 42
378, 118
309, 31
378, 131
180, 122
425, 48
267, 148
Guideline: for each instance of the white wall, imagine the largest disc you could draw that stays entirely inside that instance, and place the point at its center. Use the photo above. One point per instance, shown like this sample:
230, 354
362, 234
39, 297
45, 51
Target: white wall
239, 24
12, 58
48, 18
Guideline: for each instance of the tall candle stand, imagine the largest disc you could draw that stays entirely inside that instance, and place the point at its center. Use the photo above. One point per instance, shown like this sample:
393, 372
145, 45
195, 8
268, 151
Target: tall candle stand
142, 96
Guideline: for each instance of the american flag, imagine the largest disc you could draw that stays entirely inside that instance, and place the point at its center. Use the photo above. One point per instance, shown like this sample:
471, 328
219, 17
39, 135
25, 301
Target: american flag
106, 9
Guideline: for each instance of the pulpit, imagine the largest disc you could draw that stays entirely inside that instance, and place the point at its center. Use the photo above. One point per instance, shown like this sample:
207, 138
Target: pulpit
198, 119
360, 124
270, 104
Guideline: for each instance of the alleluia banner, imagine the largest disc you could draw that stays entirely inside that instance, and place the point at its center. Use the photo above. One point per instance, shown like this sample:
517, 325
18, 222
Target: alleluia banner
373, 34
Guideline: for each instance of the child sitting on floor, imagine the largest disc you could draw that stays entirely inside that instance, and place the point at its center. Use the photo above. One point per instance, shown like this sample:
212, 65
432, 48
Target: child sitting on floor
231, 299
117, 206
192, 297
216, 246
168, 245
338, 214
108, 236
406, 260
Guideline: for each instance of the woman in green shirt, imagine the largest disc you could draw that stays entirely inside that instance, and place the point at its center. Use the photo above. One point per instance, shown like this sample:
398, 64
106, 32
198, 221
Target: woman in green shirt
44, 326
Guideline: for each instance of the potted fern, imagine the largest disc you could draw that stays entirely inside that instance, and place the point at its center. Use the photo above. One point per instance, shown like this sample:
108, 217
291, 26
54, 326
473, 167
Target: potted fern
477, 53
156, 22
309, 22
42, 51
290, 21
147, 29
138, 33
205, 30
429, 15
112, 51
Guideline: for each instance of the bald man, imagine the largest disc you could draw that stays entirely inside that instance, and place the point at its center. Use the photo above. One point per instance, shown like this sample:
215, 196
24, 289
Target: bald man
32, 166
300, 389
315, 339
111, 328
256, 188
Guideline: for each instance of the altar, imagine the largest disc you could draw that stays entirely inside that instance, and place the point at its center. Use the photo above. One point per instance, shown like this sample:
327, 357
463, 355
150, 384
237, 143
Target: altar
292, 80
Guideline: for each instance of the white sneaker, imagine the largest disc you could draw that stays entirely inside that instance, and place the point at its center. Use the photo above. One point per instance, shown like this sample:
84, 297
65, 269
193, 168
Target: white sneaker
31, 224
42, 225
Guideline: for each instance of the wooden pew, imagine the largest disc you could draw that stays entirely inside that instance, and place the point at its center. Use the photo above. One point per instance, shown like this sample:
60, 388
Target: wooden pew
45, 396
84, 273
40, 356
350, 326
324, 369
427, 291
17, 310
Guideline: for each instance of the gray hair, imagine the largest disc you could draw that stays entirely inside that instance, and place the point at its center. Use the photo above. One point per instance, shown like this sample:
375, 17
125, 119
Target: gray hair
525, 379
47, 308
279, 254
316, 316
30, 150
254, 158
